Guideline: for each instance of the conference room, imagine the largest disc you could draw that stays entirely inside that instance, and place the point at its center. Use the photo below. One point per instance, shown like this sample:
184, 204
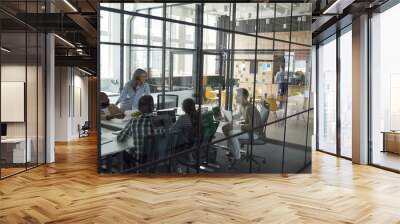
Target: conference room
22, 98
205, 88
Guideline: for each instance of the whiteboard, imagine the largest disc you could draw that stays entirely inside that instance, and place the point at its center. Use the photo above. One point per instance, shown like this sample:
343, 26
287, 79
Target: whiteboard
12, 101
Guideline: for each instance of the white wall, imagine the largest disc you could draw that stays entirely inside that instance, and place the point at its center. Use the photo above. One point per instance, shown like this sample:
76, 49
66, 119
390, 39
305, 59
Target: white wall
71, 103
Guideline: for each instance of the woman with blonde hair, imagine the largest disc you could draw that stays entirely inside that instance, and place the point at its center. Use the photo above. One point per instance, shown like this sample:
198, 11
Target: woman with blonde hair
133, 90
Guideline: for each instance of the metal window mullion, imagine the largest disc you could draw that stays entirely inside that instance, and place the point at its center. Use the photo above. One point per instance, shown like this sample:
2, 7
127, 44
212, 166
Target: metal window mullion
338, 98
231, 70
254, 92
1, 65
26, 87
287, 91
163, 52
148, 43
121, 50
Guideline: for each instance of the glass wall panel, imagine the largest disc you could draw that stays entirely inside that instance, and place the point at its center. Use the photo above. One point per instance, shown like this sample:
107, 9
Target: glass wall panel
301, 23
180, 35
217, 15
182, 12
32, 98
15, 152
266, 20
110, 68
136, 30
295, 144
229, 76
246, 16
283, 21
41, 99
110, 24
385, 89
346, 94
327, 96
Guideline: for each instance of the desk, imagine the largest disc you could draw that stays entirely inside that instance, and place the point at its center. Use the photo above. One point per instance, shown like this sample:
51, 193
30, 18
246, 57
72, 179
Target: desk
391, 141
111, 147
13, 150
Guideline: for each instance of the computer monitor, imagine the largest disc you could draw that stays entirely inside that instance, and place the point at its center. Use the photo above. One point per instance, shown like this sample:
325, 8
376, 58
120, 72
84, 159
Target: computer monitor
3, 129
170, 112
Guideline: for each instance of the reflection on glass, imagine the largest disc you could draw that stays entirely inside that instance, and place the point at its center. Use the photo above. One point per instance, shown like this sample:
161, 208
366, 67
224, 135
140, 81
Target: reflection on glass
346, 94
385, 89
180, 35
110, 70
110, 27
224, 103
16, 150
217, 15
246, 15
182, 12
327, 96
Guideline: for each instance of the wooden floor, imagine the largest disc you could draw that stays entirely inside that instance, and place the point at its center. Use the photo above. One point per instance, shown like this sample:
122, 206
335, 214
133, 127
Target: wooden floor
70, 191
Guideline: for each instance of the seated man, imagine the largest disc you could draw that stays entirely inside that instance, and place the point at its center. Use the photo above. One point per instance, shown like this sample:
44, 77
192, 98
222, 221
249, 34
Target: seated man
140, 127
246, 114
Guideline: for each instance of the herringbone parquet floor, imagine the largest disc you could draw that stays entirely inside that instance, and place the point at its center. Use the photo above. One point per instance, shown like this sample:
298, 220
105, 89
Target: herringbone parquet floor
70, 191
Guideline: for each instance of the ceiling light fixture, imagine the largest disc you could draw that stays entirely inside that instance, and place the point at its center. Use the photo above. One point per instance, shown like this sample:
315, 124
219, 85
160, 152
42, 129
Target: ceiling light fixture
70, 5
5, 50
336, 6
64, 40
84, 71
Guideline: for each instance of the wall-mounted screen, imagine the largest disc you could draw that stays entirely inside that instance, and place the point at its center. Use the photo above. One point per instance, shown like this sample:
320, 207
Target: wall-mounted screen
12, 101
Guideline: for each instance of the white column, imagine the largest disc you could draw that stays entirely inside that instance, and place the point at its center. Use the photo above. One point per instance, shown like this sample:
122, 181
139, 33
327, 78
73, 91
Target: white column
50, 100
360, 90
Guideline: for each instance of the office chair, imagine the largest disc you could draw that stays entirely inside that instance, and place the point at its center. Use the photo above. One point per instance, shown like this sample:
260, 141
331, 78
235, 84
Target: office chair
84, 129
208, 129
261, 140
157, 147
171, 101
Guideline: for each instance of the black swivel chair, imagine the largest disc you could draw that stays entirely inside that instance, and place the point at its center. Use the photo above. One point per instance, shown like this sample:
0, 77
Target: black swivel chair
171, 101
84, 129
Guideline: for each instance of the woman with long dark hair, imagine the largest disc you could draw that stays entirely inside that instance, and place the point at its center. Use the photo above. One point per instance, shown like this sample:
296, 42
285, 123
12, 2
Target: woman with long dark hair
189, 122
133, 90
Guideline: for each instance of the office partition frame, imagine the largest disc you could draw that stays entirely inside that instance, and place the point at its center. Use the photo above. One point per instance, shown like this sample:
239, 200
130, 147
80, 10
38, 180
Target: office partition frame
41, 43
381, 9
200, 52
338, 33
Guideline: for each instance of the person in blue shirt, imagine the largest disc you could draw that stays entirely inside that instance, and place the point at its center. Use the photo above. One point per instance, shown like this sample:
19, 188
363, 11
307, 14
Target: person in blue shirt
133, 90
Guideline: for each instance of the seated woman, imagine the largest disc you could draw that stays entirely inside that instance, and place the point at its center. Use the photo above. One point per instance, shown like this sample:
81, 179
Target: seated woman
140, 127
188, 123
109, 111
133, 90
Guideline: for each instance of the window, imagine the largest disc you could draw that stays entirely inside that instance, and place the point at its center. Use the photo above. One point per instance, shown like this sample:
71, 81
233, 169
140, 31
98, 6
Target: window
327, 96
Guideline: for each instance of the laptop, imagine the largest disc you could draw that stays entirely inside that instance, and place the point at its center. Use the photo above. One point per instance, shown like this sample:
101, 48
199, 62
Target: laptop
169, 112
217, 113
222, 115
161, 121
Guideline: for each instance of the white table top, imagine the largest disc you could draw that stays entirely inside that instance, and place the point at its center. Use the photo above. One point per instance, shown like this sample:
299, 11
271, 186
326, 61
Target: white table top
111, 144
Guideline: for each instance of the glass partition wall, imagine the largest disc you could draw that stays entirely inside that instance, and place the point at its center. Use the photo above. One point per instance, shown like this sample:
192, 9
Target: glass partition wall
245, 67
22, 77
384, 89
